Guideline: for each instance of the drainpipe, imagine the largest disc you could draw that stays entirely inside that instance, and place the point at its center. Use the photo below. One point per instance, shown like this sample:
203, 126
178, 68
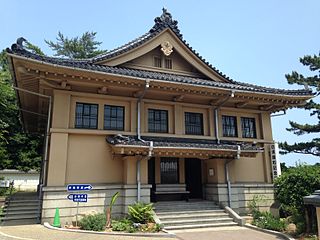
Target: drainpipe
226, 167
216, 118
138, 167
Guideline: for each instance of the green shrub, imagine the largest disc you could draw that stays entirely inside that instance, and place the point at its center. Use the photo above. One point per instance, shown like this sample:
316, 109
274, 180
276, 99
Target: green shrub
141, 212
96, 222
123, 225
267, 221
296, 183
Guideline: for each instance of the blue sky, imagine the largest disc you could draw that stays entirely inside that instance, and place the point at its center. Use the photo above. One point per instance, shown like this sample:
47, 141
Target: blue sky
251, 41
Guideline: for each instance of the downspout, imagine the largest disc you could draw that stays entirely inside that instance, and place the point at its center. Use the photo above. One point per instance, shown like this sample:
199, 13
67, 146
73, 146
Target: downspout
216, 118
138, 167
226, 167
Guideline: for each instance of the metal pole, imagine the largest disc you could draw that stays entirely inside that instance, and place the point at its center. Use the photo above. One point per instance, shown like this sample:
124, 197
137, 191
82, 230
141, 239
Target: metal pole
216, 125
228, 183
77, 214
138, 180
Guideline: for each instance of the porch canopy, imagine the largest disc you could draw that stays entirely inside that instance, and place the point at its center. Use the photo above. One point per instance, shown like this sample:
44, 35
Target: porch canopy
180, 147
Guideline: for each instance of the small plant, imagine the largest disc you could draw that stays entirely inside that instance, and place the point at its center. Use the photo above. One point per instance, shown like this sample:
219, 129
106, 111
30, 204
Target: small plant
124, 225
267, 221
254, 204
96, 222
109, 209
141, 212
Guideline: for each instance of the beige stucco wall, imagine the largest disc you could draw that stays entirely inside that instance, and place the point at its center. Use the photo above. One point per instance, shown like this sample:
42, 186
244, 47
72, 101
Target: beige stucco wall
82, 155
90, 160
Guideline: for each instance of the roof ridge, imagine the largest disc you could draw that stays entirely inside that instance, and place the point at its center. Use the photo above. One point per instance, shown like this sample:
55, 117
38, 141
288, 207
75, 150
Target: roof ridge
19, 50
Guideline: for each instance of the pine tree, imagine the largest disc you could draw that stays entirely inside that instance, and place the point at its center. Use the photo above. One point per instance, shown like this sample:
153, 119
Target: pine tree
313, 82
77, 47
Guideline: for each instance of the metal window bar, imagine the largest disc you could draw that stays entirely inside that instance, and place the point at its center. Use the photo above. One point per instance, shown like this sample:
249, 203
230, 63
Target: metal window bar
113, 117
229, 126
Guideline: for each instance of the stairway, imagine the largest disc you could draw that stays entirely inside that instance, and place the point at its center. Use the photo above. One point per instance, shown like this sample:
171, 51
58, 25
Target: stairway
178, 215
20, 209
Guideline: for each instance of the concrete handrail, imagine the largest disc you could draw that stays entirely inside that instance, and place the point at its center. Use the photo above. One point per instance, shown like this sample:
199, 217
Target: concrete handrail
241, 221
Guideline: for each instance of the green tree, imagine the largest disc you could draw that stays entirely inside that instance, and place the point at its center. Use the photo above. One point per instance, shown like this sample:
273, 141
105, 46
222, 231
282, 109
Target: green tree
294, 184
310, 147
77, 47
18, 149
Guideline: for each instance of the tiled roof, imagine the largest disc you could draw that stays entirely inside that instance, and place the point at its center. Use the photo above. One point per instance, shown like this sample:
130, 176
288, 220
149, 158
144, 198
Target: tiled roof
181, 143
19, 50
161, 23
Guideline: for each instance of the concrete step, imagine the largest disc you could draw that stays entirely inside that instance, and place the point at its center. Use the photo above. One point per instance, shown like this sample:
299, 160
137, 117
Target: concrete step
192, 216
23, 200
21, 204
207, 225
179, 222
20, 222
22, 208
19, 213
187, 211
20, 217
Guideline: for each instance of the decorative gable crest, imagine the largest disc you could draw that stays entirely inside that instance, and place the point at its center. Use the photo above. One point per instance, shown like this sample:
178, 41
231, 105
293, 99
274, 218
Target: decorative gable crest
165, 21
166, 48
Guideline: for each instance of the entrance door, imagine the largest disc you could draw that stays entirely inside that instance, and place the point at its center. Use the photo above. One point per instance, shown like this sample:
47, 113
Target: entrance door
193, 177
151, 177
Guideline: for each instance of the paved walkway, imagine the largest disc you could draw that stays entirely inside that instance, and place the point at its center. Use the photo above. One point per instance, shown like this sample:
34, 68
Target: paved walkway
227, 233
39, 232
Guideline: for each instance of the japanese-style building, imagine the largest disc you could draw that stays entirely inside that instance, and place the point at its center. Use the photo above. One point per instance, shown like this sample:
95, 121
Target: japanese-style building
152, 120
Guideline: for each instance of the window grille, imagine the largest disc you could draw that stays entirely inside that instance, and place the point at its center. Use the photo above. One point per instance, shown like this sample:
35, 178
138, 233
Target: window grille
157, 62
157, 121
248, 127
193, 123
86, 115
169, 168
113, 117
229, 126
168, 63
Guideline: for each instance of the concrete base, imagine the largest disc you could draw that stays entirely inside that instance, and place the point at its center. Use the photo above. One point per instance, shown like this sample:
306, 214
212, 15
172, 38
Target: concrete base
241, 195
98, 200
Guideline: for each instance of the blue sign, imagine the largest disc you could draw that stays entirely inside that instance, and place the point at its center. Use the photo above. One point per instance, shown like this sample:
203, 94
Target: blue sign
79, 187
78, 197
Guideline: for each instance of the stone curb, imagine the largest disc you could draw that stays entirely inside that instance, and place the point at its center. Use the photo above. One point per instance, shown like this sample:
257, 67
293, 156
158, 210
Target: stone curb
159, 235
279, 234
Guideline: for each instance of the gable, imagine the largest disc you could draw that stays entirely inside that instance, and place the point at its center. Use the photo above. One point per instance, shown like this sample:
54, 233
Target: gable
174, 63
184, 61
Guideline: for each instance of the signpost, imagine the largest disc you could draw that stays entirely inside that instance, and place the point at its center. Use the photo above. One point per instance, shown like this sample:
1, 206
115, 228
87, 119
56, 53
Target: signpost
79, 187
77, 196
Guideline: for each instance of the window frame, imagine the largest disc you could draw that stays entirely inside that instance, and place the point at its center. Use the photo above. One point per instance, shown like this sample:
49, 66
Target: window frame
157, 59
111, 118
165, 175
191, 124
226, 126
77, 118
248, 131
154, 129
168, 63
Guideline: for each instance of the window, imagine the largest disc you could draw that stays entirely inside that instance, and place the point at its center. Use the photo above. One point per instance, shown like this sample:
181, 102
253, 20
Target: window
193, 123
86, 115
113, 118
157, 121
229, 126
157, 62
248, 127
169, 168
168, 63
